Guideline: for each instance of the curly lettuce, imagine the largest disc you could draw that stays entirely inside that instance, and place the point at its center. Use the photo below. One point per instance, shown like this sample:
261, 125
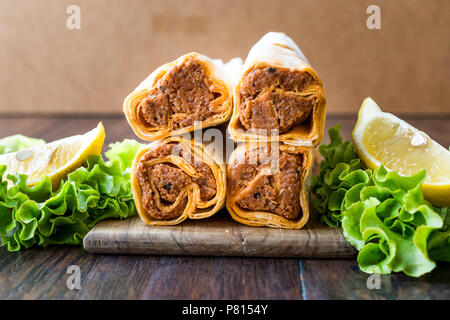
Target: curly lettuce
382, 214
124, 152
18, 142
41, 216
340, 170
435, 243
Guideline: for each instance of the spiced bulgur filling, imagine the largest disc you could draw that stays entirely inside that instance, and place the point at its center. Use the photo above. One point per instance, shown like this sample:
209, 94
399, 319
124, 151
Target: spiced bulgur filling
185, 94
277, 193
167, 181
270, 99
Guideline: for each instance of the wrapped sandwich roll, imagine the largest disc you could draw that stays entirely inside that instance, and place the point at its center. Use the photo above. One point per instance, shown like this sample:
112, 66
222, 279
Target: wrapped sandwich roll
193, 88
174, 179
278, 93
267, 186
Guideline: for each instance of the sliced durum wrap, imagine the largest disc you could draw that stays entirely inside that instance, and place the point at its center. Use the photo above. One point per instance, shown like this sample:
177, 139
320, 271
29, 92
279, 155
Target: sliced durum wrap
278, 93
174, 179
193, 88
268, 185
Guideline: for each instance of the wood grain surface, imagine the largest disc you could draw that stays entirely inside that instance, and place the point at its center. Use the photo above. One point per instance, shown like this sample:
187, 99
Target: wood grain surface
217, 236
39, 273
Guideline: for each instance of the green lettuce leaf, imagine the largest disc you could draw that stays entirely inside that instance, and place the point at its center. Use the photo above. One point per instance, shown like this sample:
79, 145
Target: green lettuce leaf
434, 242
382, 223
340, 170
387, 250
382, 213
124, 152
18, 142
41, 216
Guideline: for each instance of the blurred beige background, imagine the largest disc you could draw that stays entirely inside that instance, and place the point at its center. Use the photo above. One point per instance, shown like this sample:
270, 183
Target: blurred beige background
47, 68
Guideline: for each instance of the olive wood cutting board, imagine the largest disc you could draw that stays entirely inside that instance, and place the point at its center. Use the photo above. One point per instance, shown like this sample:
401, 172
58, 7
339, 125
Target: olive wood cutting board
219, 235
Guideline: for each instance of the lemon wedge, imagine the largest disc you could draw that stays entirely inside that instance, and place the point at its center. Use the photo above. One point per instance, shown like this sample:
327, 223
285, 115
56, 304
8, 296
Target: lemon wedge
382, 138
55, 159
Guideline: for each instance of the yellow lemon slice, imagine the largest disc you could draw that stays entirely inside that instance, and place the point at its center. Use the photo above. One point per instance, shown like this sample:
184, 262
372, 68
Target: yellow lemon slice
55, 159
382, 138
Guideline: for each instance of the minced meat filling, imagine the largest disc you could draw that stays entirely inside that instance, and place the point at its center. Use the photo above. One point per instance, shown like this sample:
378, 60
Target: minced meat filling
169, 181
184, 90
270, 99
278, 193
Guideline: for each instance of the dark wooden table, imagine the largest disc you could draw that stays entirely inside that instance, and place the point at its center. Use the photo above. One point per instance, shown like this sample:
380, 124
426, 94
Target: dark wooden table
42, 273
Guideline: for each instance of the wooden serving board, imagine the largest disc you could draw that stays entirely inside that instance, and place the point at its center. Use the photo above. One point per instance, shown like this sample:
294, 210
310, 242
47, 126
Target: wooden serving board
217, 236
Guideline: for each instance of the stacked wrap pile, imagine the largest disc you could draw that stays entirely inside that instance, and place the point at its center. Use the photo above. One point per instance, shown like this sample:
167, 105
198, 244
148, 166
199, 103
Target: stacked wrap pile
279, 108
275, 106
175, 178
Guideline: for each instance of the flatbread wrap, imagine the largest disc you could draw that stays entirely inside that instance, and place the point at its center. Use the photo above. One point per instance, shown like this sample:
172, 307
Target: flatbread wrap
173, 98
268, 185
174, 179
278, 92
